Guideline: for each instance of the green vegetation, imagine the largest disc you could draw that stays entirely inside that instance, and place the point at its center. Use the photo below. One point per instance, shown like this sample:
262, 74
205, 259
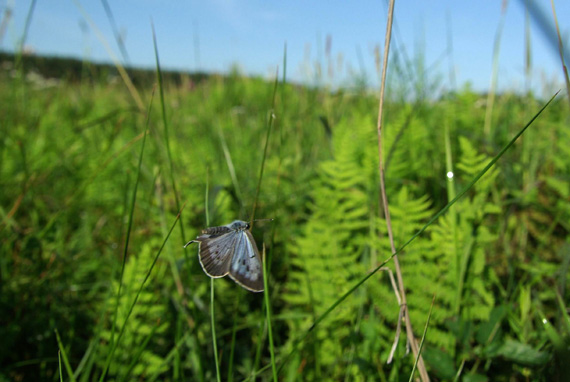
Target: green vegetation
498, 260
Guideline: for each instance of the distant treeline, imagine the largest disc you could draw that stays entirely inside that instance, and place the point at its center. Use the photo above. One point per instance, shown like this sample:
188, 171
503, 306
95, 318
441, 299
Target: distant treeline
71, 69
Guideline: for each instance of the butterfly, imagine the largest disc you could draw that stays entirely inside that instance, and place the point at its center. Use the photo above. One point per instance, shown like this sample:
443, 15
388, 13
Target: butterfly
231, 249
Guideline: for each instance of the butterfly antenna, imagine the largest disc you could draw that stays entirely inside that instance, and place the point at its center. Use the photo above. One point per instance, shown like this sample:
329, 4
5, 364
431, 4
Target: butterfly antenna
190, 242
263, 220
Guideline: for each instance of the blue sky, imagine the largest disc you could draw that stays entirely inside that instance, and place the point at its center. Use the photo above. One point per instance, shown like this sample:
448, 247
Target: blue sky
214, 35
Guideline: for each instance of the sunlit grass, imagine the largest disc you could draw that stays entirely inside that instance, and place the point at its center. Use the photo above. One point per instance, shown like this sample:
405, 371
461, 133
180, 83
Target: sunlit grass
71, 156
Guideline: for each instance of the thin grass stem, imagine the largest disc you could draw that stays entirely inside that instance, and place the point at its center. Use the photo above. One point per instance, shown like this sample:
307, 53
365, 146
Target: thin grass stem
125, 252
130, 311
494, 76
120, 68
270, 121
233, 344
268, 316
561, 51
213, 323
422, 341
63, 354
409, 330
118, 38
167, 136
212, 289
59, 366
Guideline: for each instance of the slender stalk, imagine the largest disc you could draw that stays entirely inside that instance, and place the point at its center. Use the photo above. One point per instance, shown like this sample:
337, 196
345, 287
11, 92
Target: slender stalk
423, 340
268, 313
59, 366
214, 342
63, 354
167, 136
120, 68
116, 33
450, 185
187, 261
231, 168
271, 119
561, 51
6, 17
527, 50
102, 378
212, 308
494, 76
26, 27
459, 371
125, 252
409, 329
260, 342
233, 345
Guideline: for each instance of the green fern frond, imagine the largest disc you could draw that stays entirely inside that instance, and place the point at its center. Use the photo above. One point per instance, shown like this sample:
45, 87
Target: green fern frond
147, 317
326, 257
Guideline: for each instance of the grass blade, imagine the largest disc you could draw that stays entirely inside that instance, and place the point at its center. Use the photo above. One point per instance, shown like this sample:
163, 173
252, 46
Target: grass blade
494, 75
233, 344
26, 27
214, 341
561, 51
141, 287
231, 168
422, 342
212, 307
59, 366
63, 354
268, 313
167, 136
270, 120
120, 68
458, 374
120, 40
564, 311
130, 224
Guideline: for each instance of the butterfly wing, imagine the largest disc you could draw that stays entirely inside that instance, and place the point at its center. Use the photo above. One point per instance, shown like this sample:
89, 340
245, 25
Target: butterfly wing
216, 252
210, 233
245, 268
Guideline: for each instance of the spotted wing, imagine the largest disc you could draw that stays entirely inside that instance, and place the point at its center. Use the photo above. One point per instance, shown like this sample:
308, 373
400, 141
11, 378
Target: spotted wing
245, 266
216, 252
210, 233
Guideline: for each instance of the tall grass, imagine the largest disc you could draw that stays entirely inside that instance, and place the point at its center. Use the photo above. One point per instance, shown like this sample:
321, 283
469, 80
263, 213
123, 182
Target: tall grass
90, 264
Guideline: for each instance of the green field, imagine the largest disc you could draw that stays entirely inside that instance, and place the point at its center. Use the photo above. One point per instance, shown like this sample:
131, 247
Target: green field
82, 224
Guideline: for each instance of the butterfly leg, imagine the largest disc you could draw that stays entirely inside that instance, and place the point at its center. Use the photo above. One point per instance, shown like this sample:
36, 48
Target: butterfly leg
190, 242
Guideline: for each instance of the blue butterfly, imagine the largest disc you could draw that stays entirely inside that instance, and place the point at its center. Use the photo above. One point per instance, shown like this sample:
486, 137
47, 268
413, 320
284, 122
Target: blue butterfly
231, 249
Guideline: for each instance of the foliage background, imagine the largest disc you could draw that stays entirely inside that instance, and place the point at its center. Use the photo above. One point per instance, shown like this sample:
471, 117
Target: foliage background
498, 261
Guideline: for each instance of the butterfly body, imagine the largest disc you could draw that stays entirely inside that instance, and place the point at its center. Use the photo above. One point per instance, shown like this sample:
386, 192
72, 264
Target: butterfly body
231, 249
